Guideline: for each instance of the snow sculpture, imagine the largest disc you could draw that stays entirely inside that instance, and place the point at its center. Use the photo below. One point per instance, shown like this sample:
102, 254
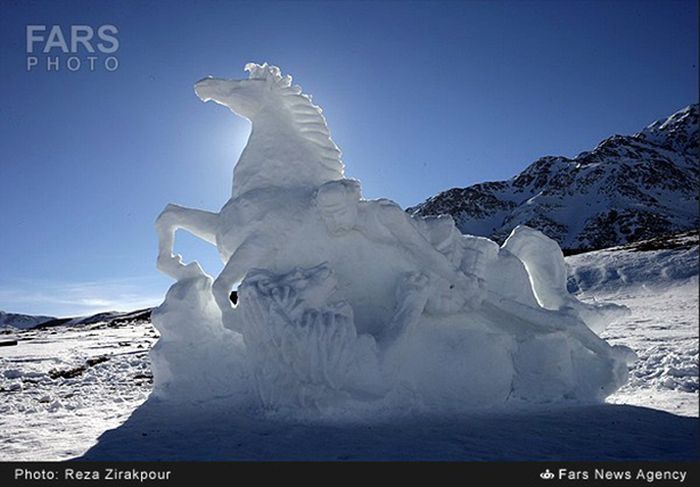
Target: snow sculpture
347, 304
304, 349
195, 356
546, 269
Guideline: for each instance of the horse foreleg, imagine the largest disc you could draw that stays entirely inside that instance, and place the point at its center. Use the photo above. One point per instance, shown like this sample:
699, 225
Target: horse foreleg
200, 223
252, 253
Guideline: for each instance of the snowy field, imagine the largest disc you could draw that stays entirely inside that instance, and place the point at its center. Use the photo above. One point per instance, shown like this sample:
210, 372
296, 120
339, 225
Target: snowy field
660, 287
59, 393
663, 330
63, 387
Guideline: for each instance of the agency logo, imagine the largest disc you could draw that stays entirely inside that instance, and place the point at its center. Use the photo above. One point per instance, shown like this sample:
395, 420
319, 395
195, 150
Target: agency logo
79, 47
547, 475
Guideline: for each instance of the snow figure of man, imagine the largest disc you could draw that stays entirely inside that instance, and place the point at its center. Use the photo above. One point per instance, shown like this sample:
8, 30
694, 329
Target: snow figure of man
343, 210
471, 254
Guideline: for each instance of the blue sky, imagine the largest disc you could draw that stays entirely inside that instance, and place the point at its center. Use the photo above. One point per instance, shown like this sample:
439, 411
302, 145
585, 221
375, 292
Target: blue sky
420, 96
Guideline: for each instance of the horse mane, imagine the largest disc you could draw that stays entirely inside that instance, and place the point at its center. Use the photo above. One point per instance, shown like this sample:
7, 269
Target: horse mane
307, 116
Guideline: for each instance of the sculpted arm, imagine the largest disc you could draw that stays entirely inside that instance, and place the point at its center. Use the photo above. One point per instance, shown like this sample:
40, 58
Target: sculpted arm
398, 223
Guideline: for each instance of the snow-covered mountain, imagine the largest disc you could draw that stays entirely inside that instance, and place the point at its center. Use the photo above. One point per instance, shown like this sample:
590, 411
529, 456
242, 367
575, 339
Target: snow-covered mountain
17, 320
628, 188
26, 322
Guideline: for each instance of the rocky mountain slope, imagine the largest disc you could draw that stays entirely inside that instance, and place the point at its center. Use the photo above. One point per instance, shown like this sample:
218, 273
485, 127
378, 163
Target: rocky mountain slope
21, 321
628, 188
12, 321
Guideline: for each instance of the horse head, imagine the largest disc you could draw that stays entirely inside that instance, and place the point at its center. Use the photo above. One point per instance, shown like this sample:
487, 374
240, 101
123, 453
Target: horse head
244, 97
290, 144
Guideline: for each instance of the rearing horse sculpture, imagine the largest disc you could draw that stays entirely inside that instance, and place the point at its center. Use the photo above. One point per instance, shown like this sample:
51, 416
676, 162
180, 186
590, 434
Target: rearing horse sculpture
272, 218
289, 151
291, 208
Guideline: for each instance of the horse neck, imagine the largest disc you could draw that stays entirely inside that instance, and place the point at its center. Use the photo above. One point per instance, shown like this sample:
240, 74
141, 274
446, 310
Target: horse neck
276, 155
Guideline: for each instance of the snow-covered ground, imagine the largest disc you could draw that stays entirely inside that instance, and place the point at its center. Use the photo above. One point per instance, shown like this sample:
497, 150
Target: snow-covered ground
62, 387
663, 330
660, 287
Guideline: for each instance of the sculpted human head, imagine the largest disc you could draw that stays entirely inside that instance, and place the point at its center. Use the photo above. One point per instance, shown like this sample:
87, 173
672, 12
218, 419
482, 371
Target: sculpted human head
337, 202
